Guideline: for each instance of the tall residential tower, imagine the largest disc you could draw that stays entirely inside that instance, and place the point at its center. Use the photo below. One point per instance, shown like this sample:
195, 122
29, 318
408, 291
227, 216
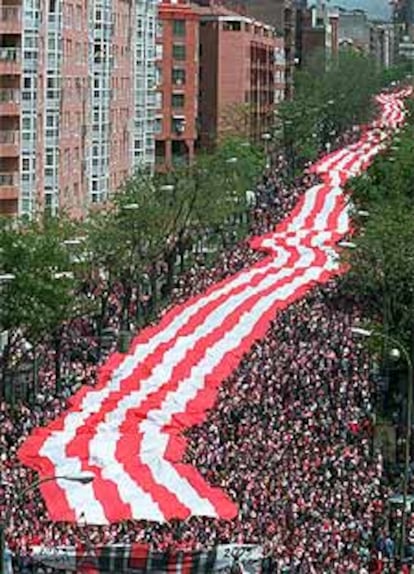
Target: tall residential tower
77, 100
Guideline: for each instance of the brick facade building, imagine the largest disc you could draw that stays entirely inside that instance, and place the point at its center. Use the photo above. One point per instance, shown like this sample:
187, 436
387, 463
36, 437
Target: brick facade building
281, 14
241, 66
177, 71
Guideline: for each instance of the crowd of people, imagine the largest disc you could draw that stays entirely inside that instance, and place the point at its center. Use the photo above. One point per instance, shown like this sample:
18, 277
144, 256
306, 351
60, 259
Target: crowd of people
290, 437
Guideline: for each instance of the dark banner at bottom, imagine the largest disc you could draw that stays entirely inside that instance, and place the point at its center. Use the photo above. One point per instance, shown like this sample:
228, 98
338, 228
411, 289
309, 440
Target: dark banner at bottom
139, 559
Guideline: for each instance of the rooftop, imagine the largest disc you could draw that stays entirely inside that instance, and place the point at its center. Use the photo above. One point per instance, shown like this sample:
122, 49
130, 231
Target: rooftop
215, 10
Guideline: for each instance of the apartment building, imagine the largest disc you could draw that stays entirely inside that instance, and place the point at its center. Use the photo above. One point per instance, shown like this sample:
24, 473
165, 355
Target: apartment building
354, 29
382, 43
281, 14
316, 34
403, 18
241, 64
77, 100
177, 83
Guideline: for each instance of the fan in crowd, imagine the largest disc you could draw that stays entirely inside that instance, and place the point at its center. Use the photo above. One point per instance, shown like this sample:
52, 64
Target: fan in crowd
290, 436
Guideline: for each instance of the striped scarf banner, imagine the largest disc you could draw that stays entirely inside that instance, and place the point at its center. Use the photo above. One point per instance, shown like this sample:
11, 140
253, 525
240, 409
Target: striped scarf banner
139, 559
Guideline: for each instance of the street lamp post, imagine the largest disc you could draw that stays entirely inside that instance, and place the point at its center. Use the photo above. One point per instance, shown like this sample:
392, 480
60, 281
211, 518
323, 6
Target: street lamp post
4, 335
124, 337
405, 353
6, 277
288, 146
266, 137
83, 479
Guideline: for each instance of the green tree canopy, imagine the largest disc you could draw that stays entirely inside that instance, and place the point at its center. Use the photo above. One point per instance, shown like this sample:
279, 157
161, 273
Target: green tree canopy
382, 263
328, 100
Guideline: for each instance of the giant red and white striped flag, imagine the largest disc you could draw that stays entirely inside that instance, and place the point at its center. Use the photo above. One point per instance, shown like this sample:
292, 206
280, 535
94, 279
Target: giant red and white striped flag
128, 431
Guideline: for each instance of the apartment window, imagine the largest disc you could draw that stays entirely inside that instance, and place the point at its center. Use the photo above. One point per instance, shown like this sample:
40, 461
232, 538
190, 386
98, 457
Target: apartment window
232, 26
26, 205
52, 88
178, 125
53, 83
158, 125
177, 100
178, 52
160, 26
30, 42
158, 100
179, 28
78, 52
78, 16
178, 76
158, 75
27, 55
158, 51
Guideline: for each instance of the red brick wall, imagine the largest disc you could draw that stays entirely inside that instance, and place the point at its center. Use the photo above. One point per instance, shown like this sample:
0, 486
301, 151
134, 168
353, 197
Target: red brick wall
209, 78
167, 14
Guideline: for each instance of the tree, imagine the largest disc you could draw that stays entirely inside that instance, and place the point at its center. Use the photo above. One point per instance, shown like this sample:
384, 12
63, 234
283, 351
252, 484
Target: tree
207, 195
328, 101
236, 121
382, 265
39, 297
123, 241
392, 172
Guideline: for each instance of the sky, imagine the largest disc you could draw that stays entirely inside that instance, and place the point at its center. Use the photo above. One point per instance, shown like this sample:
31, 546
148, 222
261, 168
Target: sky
376, 9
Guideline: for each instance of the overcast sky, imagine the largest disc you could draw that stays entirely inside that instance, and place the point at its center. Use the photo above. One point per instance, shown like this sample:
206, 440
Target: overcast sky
377, 9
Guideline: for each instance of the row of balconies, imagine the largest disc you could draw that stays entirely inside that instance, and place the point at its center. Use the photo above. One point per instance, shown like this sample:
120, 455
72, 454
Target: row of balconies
10, 60
10, 54
9, 101
10, 64
9, 136
9, 143
9, 96
10, 19
9, 179
9, 185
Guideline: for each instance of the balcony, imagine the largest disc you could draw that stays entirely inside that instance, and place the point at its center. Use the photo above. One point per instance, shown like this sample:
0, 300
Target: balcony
9, 143
9, 186
10, 19
9, 101
9, 60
